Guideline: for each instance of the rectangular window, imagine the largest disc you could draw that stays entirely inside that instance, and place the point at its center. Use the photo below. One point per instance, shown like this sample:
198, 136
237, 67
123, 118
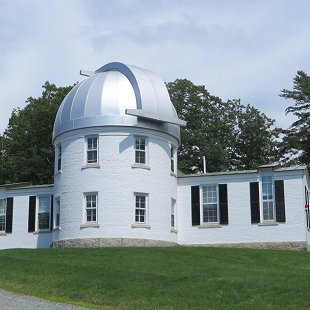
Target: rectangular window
59, 157
91, 207
173, 203
172, 158
2, 214
44, 212
267, 197
140, 150
209, 204
140, 210
92, 150
57, 213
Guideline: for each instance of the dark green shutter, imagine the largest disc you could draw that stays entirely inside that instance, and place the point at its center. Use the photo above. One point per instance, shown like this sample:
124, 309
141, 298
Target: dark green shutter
195, 205
9, 215
52, 219
254, 200
280, 203
32, 214
223, 204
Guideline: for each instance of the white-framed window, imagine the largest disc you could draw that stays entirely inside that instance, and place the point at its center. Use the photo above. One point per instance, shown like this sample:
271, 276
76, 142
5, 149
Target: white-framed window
59, 153
210, 208
2, 215
141, 201
172, 158
57, 212
44, 212
267, 198
91, 207
173, 213
92, 150
140, 150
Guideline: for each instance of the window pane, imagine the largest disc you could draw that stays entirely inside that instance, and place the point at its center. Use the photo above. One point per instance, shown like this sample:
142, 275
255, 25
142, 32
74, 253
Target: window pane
210, 207
44, 204
44, 220
2, 222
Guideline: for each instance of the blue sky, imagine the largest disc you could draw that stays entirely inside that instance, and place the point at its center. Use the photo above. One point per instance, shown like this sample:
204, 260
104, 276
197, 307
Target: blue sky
238, 49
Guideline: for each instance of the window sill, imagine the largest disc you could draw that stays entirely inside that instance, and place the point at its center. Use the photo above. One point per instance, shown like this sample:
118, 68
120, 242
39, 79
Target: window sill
89, 225
57, 229
173, 230
173, 174
268, 223
87, 166
210, 225
45, 231
141, 166
137, 225
3, 234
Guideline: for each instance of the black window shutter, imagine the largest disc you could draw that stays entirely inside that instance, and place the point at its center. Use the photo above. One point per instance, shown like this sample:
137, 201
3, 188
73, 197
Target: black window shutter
280, 203
32, 214
223, 204
52, 219
254, 198
9, 215
195, 205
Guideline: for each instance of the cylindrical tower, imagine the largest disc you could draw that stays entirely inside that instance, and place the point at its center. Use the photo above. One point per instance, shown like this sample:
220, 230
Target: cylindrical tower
116, 136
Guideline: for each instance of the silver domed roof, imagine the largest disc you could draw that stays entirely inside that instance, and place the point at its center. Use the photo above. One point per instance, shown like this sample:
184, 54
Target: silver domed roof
118, 95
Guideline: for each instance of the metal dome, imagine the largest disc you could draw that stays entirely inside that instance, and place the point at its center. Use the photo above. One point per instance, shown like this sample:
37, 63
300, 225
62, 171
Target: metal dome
118, 95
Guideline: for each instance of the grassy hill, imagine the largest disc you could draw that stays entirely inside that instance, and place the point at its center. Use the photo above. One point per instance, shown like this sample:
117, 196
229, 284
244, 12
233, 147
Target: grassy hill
161, 278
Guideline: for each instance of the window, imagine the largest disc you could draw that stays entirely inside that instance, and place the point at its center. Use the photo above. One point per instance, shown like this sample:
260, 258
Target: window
209, 204
267, 201
140, 210
59, 157
140, 150
173, 223
91, 207
267, 198
57, 212
92, 150
2, 214
172, 158
44, 212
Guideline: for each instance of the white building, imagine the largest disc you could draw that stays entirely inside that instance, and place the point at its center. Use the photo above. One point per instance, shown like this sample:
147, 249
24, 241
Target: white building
116, 136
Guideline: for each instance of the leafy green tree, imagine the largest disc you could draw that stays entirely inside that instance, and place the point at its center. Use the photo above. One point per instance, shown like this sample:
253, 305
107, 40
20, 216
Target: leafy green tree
229, 135
28, 150
256, 140
297, 137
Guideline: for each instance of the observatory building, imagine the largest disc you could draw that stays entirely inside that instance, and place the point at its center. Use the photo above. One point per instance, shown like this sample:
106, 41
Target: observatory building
116, 183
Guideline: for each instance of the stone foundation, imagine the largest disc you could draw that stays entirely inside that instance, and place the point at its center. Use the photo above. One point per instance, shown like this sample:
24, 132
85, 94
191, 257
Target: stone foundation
130, 242
110, 242
296, 245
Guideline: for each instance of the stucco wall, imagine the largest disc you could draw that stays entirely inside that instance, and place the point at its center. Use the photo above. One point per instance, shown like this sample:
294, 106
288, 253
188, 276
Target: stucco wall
240, 229
20, 237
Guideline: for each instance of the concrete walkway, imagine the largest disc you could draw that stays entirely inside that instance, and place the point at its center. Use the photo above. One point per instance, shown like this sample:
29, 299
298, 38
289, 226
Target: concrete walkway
10, 301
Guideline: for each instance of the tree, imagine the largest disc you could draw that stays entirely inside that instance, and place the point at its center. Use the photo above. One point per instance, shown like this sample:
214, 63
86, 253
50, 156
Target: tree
229, 135
297, 137
256, 140
28, 150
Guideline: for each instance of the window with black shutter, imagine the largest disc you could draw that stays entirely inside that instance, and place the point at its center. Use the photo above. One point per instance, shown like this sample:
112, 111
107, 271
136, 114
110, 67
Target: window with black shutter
195, 198
254, 200
280, 203
9, 215
32, 214
223, 204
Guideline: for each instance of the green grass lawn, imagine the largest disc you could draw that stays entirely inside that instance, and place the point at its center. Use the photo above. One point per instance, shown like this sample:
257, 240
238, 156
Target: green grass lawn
161, 278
